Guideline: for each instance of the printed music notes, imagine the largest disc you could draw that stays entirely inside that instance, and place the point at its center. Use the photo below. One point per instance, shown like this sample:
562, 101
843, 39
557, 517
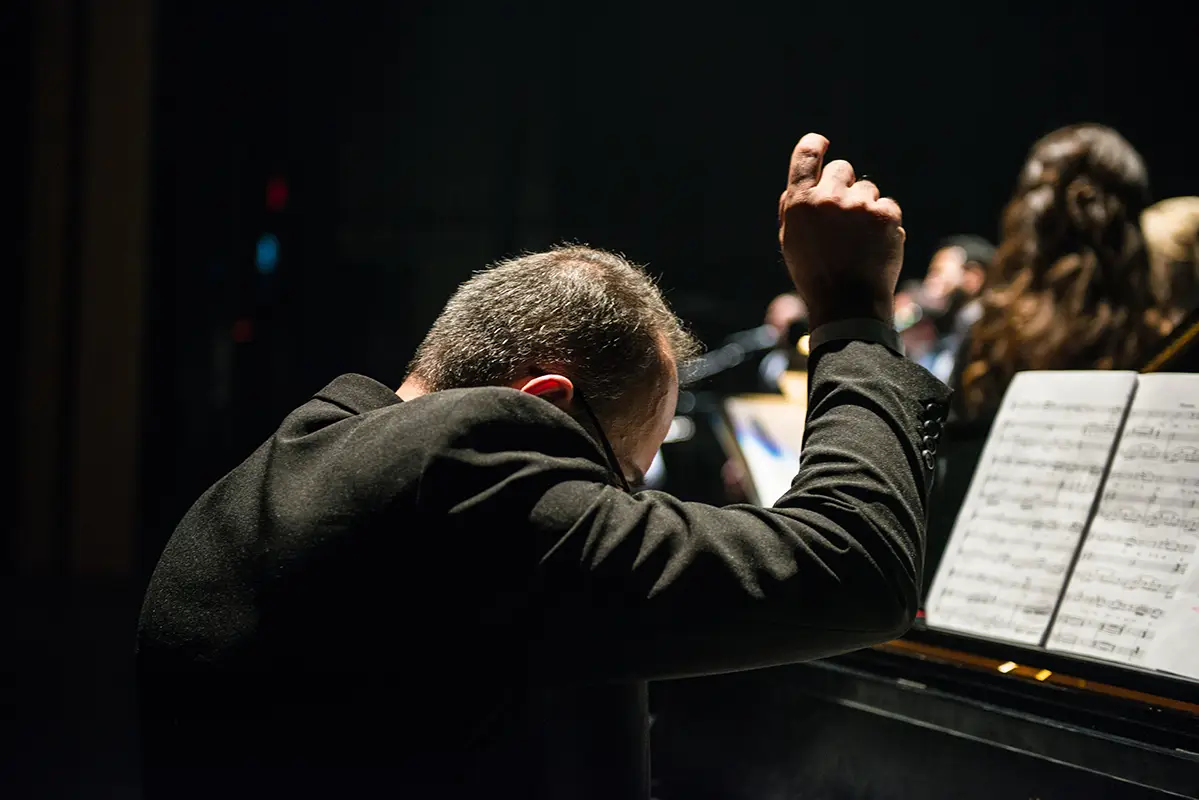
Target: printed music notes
1028, 504
1081, 526
1134, 594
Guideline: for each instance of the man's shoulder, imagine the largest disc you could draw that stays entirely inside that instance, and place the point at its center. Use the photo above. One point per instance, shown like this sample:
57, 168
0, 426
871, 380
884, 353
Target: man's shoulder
495, 402
359, 395
495, 415
337, 425
466, 442
357, 398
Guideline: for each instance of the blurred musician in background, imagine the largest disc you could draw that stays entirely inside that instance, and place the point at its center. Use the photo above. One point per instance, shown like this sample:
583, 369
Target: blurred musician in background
1069, 289
787, 315
949, 297
917, 331
933, 315
1171, 229
780, 371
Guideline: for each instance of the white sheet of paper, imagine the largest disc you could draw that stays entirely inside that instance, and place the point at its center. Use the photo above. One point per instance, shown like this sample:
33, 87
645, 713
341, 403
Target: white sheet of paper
1176, 648
1134, 594
1017, 531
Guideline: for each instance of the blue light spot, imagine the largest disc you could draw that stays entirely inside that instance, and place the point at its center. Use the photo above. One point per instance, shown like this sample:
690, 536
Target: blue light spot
266, 254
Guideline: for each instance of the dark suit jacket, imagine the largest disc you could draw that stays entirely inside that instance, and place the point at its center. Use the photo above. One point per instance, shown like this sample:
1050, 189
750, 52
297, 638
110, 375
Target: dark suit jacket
447, 598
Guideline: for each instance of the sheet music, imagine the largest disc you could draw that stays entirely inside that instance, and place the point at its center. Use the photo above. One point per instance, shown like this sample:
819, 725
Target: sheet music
1028, 503
1134, 593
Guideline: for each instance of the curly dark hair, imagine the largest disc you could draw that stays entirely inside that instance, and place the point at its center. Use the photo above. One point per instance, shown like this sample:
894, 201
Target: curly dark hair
588, 313
1070, 284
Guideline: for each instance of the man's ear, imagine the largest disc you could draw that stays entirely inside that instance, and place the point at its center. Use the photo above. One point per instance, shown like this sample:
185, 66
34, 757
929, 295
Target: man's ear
557, 389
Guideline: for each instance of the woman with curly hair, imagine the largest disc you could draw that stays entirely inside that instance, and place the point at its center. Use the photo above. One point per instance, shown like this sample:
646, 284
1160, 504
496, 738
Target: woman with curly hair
1070, 284
1069, 288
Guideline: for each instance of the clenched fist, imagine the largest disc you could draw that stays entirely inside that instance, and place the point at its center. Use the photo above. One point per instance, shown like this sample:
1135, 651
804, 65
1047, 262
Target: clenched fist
842, 243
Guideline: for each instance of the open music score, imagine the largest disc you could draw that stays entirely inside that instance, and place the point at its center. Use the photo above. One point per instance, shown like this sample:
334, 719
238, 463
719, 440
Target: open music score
1133, 596
1028, 505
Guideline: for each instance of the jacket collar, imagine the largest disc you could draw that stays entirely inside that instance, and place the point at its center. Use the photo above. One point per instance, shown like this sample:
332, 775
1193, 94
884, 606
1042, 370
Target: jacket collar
358, 394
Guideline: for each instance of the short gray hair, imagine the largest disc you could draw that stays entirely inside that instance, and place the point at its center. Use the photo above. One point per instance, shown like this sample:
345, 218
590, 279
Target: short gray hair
589, 314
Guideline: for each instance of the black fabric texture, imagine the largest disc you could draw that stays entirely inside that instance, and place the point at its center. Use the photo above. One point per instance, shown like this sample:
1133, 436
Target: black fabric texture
446, 597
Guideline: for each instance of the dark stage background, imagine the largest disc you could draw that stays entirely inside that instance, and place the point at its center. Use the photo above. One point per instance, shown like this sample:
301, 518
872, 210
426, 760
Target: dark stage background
418, 142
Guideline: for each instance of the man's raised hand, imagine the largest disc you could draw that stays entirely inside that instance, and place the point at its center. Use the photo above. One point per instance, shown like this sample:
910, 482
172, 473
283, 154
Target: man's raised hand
842, 243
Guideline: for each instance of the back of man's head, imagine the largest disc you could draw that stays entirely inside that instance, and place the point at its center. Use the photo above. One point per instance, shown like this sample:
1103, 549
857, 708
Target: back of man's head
585, 313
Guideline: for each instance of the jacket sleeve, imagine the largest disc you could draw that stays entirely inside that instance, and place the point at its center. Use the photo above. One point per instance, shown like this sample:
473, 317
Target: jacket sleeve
647, 586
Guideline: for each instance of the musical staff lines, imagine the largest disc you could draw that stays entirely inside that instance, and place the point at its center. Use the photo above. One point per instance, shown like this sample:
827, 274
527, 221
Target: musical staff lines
1138, 558
1028, 504
1169, 545
1133, 563
1069, 621
1109, 577
1099, 648
1026, 586
1114, 604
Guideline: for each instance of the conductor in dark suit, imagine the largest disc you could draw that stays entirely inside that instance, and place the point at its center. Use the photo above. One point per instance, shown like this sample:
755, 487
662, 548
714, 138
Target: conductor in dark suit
449, 591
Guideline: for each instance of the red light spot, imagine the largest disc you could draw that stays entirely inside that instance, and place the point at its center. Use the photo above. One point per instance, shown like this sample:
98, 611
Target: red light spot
243, 331
920, 614
276, 194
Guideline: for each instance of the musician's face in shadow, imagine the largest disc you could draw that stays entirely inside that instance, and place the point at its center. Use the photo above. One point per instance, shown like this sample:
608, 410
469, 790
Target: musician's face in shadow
951, 279
636, 451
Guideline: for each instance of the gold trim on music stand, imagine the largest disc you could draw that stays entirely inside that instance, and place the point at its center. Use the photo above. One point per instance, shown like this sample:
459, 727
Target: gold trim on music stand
1179, 343
1026, 672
